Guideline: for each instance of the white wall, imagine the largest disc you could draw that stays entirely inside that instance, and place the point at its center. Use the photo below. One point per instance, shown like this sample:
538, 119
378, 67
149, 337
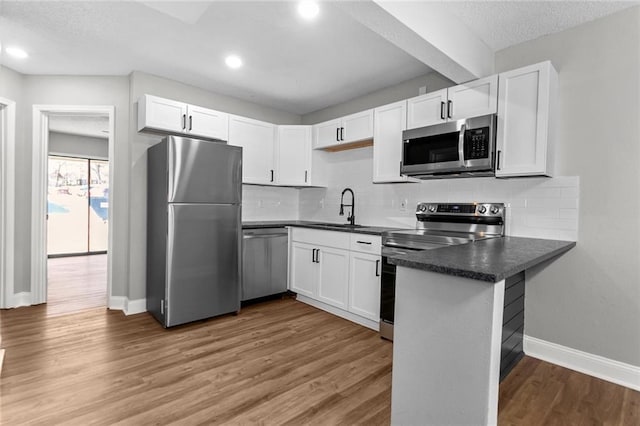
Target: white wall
589, 299
63, 90
78, 146
407, 89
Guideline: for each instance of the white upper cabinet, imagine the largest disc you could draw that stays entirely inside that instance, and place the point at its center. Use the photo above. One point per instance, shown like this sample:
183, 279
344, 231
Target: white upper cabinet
208, 122
327, 133
357, 127
427, 109
348, 129
526, 121
257, 139
478, 97
390, 121
166, 116
293, 156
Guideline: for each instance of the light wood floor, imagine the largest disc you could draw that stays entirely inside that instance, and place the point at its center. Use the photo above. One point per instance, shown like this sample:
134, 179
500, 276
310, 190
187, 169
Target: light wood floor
76, 283
279, 362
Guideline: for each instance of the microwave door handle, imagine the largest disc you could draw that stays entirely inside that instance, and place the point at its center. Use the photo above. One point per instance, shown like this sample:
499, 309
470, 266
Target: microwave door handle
463, 128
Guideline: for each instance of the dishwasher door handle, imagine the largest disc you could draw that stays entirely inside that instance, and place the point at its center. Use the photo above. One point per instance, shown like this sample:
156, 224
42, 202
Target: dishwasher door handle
250, 236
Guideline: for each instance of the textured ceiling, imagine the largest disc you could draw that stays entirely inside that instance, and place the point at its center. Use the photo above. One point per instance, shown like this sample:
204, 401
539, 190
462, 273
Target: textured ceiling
506, 23
290, 64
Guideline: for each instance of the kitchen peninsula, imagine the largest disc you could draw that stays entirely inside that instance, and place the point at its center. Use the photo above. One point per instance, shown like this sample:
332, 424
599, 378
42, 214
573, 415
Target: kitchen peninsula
448, 327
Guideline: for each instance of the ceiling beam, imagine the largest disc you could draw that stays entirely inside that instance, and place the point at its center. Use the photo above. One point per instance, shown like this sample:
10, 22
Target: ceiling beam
428, 33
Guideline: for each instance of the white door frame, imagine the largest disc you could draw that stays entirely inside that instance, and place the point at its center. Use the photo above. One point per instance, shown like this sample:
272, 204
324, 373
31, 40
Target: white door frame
40, 154
7, 200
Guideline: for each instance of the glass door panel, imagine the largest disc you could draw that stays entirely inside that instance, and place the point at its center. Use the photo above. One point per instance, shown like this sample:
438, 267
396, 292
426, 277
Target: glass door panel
77, 205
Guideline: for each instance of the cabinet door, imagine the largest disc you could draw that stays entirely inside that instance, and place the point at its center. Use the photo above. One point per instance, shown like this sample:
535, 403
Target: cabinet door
303, 275
364, 285
257, 140
525, 121
326, 134
478, 97
333, 276
357, 127
161, 114
390, 121
208, 123
427, 109
293, 153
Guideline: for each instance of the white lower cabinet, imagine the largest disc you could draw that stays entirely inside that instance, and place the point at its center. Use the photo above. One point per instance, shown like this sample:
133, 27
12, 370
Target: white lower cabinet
333, 271
329, 271
302, 276
364, 285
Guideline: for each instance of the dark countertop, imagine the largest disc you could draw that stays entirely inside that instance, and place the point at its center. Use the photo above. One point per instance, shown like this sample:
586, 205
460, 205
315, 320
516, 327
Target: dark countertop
488, 260
325, 226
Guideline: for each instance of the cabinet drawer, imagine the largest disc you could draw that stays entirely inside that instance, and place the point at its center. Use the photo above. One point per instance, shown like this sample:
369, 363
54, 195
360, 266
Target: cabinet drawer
365, 243
321, 238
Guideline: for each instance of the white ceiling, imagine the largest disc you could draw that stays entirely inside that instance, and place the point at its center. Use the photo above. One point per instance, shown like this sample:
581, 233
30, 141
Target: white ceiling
290, 64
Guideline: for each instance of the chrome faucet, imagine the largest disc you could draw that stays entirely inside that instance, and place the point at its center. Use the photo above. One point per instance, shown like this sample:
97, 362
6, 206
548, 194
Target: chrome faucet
352, 217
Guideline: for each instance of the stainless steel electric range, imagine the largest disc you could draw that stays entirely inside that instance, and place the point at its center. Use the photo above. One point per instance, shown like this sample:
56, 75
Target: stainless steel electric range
438, 225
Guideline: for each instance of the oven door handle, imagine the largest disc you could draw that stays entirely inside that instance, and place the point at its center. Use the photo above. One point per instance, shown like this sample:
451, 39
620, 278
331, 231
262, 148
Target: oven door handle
463, 129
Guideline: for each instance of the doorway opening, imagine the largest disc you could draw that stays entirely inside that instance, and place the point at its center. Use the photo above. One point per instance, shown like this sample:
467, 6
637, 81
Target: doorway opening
72, 188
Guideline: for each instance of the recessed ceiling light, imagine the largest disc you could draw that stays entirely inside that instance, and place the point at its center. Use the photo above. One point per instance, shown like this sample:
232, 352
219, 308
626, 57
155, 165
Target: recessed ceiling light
308, 9
16, 52
233, 61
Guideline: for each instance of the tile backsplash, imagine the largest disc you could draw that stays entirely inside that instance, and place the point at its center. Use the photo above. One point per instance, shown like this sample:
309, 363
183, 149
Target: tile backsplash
536, 207
269, 203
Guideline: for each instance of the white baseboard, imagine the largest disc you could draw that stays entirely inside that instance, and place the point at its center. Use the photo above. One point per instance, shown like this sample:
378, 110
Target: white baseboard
594, 365
117, 303
129, 307
136, 306
21, 299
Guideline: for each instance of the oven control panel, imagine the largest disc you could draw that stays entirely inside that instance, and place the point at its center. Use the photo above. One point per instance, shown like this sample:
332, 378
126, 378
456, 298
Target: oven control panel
460, 209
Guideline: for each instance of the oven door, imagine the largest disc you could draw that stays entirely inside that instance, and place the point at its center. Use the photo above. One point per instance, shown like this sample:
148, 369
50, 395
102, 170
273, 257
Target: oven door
388, 290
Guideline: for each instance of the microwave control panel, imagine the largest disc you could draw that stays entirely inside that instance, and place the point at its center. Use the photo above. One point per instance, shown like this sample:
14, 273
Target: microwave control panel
476, 143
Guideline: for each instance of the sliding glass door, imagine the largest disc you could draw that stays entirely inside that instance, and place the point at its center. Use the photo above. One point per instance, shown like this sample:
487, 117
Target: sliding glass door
77, 206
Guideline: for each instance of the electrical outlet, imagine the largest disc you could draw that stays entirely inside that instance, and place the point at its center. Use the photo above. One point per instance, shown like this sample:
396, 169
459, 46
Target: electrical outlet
403, 204
322, 203
259, 204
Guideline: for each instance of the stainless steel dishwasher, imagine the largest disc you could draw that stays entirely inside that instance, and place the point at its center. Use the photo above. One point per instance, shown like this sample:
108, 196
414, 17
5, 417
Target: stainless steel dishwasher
264, 262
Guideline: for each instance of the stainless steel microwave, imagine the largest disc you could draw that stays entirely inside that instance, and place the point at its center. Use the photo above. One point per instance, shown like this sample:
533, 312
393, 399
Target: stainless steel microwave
457, 148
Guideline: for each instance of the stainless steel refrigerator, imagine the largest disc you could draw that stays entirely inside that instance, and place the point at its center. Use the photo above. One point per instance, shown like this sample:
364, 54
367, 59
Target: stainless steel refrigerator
194, 230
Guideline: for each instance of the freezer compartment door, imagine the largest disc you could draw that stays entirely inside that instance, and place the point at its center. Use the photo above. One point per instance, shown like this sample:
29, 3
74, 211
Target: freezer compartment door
203, 268
204, 172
